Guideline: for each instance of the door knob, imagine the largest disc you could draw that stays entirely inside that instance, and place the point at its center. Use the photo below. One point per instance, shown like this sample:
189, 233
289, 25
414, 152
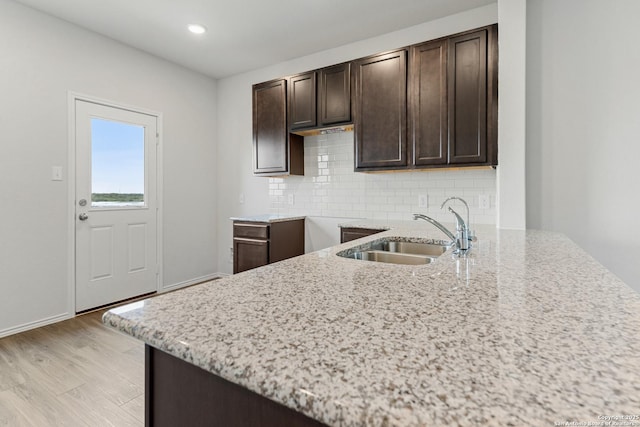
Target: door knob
83, 216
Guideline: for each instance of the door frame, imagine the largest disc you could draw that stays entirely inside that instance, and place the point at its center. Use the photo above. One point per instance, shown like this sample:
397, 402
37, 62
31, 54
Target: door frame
71, 178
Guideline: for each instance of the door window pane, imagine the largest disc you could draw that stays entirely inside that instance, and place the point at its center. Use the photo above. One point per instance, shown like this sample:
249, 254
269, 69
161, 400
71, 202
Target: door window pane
117, 164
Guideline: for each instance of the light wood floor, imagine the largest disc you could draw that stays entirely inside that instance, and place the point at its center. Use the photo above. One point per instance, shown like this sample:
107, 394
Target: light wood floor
73, 373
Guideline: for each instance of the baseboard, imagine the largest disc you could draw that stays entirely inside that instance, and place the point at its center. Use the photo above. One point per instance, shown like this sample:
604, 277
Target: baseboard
193, 281
36, 324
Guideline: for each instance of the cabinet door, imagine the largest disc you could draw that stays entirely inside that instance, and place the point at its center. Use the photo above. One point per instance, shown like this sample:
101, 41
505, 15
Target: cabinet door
334, 93
270, 134
287, 240
249, 253
302, 100
428, 103
468, 98
380, 111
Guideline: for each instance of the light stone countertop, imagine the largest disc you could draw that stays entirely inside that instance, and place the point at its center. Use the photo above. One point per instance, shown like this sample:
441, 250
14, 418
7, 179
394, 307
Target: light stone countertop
526, 330
270, 218
378, 224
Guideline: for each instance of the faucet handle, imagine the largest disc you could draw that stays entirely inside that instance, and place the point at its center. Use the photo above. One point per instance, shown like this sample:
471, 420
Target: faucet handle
460, 225
466, 205
464, 235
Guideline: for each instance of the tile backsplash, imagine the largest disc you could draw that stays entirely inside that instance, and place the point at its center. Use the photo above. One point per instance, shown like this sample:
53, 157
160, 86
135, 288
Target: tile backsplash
331, 188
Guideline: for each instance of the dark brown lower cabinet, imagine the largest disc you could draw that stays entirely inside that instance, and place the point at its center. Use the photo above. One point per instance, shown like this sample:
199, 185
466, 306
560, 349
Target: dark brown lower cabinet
249, 253
260, 243
348, 234
178, 393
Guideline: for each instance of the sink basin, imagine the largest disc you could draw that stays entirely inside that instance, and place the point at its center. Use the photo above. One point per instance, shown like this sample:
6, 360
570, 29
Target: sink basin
392, 257
397, 251
415, 248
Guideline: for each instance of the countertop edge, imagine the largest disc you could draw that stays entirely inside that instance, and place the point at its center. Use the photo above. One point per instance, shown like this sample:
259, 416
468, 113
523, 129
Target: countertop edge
268, 219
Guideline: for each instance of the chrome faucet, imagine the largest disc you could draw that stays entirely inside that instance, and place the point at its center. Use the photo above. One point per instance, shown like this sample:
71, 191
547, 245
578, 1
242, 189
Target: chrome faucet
463, 237
463, 233
437, 224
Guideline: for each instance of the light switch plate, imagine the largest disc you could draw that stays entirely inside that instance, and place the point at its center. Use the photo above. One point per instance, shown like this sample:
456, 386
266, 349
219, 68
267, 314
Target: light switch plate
241, 198
290, 199
423, 201
483, 201
56, 173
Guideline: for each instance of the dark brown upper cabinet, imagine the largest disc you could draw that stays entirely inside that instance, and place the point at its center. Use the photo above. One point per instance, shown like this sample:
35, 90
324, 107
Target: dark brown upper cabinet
453, 100
334, 95
428, 103
468, 74
302, 101
380, 83
275, 150
433, 104
320, 98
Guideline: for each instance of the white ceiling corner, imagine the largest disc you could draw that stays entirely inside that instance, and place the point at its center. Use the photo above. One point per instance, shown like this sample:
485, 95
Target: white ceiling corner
245, 35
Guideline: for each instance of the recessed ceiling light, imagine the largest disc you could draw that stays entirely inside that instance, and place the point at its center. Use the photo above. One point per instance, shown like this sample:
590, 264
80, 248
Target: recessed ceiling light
197, 28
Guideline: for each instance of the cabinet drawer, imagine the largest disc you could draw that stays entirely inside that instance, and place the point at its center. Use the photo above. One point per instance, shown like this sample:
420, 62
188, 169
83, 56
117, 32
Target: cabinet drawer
251, 231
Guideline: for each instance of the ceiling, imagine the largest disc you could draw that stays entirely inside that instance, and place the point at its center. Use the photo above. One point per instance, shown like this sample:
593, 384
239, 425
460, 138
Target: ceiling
245, 35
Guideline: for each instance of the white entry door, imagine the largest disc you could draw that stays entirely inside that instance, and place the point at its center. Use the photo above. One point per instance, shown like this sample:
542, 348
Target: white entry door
115, 204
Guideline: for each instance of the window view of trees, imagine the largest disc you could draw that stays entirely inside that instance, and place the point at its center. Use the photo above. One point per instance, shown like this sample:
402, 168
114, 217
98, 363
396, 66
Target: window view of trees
117, 164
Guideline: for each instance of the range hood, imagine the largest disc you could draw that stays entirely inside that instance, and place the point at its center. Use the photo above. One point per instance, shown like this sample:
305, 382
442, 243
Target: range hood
325, 131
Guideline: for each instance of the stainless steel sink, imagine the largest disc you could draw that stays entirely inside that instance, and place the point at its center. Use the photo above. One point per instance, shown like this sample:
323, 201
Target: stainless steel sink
392, 257
396, 251
415, 248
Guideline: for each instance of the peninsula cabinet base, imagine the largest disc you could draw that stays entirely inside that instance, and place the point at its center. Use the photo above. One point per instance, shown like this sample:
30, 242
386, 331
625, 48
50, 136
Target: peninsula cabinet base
180, 394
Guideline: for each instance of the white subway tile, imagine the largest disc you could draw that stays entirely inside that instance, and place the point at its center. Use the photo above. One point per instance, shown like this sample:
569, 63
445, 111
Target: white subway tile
330, 187
463, 183
397, 216
379, 215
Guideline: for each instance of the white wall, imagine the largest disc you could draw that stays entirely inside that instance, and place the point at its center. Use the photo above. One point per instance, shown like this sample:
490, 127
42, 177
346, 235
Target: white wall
41, 60
583, 126
234, 113
512, 15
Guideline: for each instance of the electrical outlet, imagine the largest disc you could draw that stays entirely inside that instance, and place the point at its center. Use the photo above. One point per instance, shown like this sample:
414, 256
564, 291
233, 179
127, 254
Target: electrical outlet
423, 201
241, 198
290, 199
231, 255
483, 201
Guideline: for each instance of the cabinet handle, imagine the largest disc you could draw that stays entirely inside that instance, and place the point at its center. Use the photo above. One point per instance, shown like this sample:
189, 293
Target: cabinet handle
244, 239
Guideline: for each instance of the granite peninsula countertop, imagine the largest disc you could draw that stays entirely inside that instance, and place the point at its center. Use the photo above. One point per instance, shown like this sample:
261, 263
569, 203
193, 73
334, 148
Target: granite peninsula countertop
528, 329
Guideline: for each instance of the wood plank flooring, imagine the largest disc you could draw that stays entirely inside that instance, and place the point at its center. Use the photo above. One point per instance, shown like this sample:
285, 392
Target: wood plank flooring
73, 373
